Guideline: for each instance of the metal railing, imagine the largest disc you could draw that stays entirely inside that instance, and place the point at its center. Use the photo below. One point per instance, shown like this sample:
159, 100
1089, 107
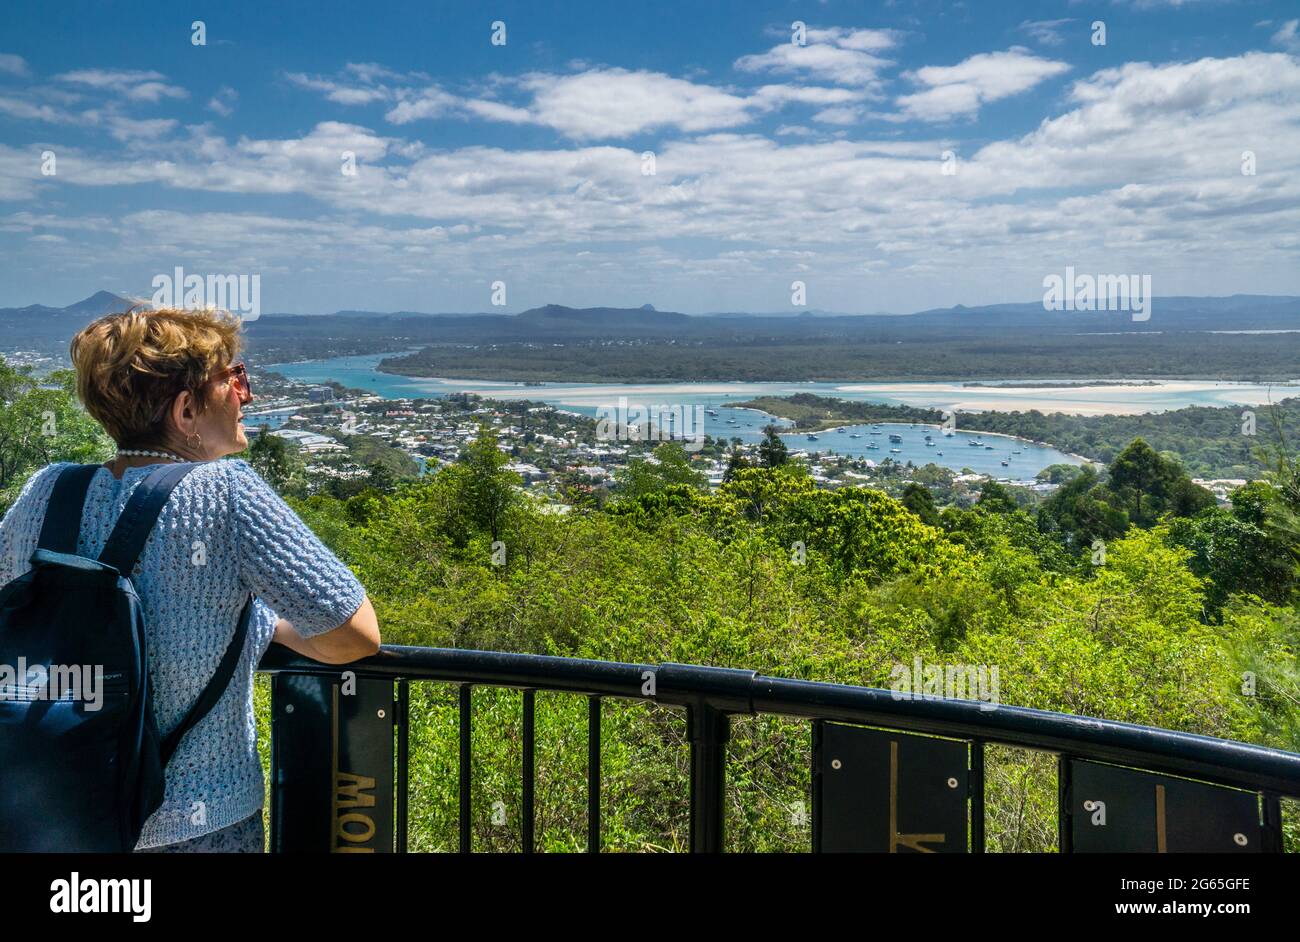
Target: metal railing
712, 695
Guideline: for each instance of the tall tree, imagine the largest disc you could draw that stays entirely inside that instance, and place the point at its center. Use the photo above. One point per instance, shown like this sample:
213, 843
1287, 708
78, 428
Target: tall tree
735, 461
771, 450
277, 461
42, 423
488, 491
918, 499
670, 466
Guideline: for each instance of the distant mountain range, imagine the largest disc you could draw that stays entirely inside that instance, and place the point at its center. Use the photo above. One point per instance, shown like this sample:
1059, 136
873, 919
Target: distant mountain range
97, 305
40, 326
104, 302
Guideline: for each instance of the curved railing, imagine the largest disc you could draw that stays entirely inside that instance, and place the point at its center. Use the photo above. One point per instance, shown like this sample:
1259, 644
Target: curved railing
889, 772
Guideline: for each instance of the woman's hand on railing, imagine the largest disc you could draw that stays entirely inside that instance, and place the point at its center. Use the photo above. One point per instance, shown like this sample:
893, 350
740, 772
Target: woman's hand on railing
356, 638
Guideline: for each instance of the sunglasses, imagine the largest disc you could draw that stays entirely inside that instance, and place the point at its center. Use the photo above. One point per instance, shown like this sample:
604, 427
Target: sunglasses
240, 374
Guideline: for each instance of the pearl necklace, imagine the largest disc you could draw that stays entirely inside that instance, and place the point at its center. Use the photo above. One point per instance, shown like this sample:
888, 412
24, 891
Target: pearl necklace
121, 452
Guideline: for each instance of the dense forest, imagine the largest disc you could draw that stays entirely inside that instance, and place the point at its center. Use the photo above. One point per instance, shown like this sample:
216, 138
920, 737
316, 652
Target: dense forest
1129, 594
1249, 358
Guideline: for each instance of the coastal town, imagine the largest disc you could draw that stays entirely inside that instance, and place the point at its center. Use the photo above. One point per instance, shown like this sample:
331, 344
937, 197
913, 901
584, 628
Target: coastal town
340, 434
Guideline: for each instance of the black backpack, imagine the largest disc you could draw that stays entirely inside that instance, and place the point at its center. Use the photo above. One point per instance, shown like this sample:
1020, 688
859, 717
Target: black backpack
74, 777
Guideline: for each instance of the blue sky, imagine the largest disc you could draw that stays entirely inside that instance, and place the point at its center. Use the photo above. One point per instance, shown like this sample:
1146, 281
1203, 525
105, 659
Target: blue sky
524, 162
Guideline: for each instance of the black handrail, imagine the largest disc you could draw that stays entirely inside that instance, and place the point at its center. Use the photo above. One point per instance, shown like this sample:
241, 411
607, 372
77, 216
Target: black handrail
712, 694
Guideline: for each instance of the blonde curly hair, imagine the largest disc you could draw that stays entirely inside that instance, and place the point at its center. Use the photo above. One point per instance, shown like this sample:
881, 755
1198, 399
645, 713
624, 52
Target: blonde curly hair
132, 365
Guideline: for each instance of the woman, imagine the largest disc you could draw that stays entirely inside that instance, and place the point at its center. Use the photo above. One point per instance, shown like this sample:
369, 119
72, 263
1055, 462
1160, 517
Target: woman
166, 387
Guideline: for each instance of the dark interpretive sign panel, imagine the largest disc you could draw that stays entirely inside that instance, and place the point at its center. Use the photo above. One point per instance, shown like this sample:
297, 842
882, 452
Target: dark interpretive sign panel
333, 743
884, 792
1118, 810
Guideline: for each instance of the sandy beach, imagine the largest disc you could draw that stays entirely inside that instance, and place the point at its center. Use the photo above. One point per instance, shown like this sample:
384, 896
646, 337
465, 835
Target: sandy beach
1127, 399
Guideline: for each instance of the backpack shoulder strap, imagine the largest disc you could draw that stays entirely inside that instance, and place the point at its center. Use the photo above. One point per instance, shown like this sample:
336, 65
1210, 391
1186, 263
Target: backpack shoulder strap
62, 524
121, 552
140, 514
215, 688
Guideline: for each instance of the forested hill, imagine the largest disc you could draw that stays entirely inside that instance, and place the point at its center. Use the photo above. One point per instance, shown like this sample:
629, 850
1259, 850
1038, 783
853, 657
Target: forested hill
1183, 337
829, 352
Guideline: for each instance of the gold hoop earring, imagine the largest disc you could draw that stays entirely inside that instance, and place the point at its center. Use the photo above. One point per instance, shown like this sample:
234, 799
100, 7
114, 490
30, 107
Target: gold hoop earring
194, 435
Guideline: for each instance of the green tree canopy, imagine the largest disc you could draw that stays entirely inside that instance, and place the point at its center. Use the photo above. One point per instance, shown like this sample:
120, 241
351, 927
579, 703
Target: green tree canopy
772, 451
671, 466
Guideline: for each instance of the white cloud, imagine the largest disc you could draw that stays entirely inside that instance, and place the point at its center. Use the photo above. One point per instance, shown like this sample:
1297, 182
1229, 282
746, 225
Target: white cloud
834, 54
129, 129
1149, 156
1181, 122
11, 64
959, 90
844, 116
1047, 32
339, 93
361, 84
497, 111
614, 103
595, 103
618, 103
28, 111
372, 72
134, 85
431, 102
223, 102
1286, 36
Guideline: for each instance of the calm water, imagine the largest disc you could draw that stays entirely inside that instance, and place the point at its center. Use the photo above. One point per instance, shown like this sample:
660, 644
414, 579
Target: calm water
747, 425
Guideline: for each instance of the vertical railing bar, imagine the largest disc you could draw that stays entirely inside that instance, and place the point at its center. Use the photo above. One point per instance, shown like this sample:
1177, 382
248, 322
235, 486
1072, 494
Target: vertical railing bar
977, 796
529, 772
710, 729
276, 763
817, 786
1064, 814
593, 775
693, 825
403, 760
465, 820
1272, 823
